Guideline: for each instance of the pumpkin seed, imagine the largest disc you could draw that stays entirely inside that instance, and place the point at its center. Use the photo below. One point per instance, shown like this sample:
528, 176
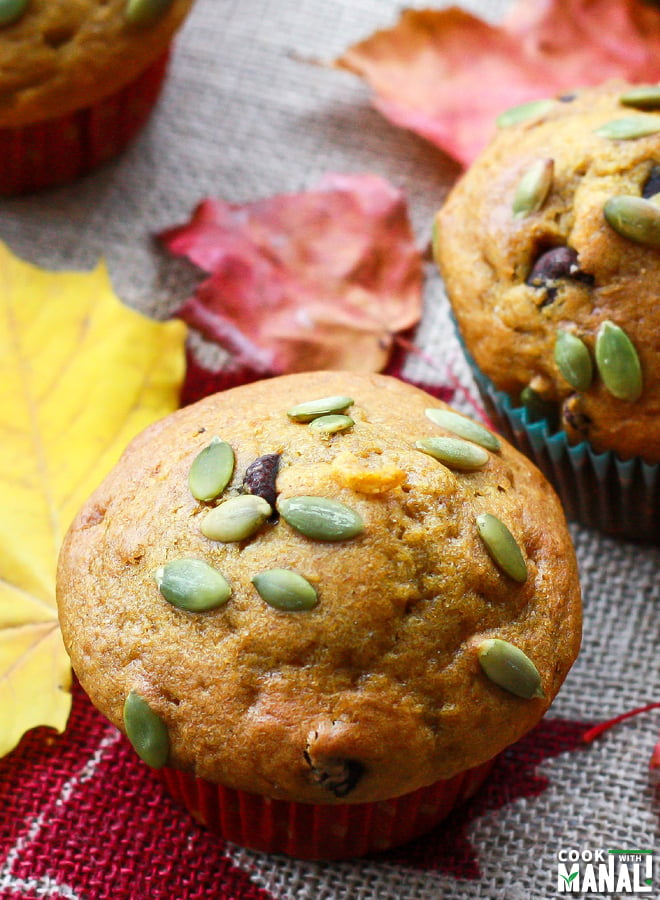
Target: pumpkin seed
146, 731
320, 518
533, 188
574, 360
236, 519
455, 453
331, 424
537, 406
634, 218
463, 427
312, 409
642, 97
211, 470
192, 584
286, 590
618, 362
508, 667
523, 111
502, 547
629, 127
10, 10
144, 12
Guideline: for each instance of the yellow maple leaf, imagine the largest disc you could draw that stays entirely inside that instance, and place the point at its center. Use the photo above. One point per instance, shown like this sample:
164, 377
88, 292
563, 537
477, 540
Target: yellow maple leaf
81, 374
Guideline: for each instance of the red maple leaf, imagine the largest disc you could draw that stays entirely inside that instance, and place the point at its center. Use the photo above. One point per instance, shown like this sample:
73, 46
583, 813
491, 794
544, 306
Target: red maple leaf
447, 848
446, 74
81, 810
321, 279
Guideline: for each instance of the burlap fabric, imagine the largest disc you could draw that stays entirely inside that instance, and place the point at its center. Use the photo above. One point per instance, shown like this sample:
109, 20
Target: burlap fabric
243, 117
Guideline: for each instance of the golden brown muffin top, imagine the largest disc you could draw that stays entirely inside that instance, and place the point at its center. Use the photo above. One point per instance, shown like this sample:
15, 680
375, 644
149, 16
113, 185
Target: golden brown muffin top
61, 55
518, 279
375, 690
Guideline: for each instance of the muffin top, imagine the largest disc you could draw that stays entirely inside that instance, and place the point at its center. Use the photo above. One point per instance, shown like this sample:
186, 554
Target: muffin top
549, 246
59, 55
364, 627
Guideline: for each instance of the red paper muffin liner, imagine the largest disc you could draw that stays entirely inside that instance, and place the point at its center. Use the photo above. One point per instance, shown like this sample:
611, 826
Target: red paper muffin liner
57, 151
309, 831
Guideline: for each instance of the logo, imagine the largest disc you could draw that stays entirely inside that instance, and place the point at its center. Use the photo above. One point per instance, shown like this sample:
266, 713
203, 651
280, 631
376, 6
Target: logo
605, 871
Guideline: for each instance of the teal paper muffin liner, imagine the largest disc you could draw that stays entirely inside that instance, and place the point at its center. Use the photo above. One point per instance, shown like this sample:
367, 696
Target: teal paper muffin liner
600, 490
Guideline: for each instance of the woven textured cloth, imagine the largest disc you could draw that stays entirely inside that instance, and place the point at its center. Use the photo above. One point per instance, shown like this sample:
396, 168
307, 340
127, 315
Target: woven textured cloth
244, 116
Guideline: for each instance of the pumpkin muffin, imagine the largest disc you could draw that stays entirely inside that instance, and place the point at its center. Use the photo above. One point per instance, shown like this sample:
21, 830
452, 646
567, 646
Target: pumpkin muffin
549, 246
78, 78
318, 593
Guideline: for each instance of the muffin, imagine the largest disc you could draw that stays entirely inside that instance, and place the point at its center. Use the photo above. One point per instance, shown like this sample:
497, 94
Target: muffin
549, 246
77, 81
318, 610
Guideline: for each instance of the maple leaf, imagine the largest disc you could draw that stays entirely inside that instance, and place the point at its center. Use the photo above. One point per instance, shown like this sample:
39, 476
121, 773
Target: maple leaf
446, 74
321, 279
81, 375
447, 847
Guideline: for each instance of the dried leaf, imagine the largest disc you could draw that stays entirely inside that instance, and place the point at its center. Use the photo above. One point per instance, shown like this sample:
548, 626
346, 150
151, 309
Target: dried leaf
446, 74
321, 279
81, 374
654, 762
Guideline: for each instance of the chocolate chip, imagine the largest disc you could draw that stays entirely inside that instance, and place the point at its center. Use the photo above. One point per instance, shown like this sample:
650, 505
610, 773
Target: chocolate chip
574, 419
260, 477
554, 265
652, 183
339, 776
567, 98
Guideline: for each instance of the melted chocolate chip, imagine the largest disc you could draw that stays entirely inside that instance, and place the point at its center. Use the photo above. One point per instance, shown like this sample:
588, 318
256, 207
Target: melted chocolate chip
652, 183
574, 419
554, 265
260, 477
339, 776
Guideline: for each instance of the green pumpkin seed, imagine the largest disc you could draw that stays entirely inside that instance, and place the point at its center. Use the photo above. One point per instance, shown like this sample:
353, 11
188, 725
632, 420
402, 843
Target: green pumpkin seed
618, 363
10, 10
320, 518
629, 127
211, 470
146, 731
455, 453
285, 590
502, 547
144, 12
463, 427
192, 584
642, 97
523, 111
236, 519
537, 406
573, 360
508, 667
533, 188
331, 424
312, 409
634, 218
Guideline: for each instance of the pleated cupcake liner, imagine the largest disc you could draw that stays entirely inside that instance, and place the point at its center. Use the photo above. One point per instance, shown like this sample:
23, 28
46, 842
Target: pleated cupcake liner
62, 149
320, 831
600, 490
